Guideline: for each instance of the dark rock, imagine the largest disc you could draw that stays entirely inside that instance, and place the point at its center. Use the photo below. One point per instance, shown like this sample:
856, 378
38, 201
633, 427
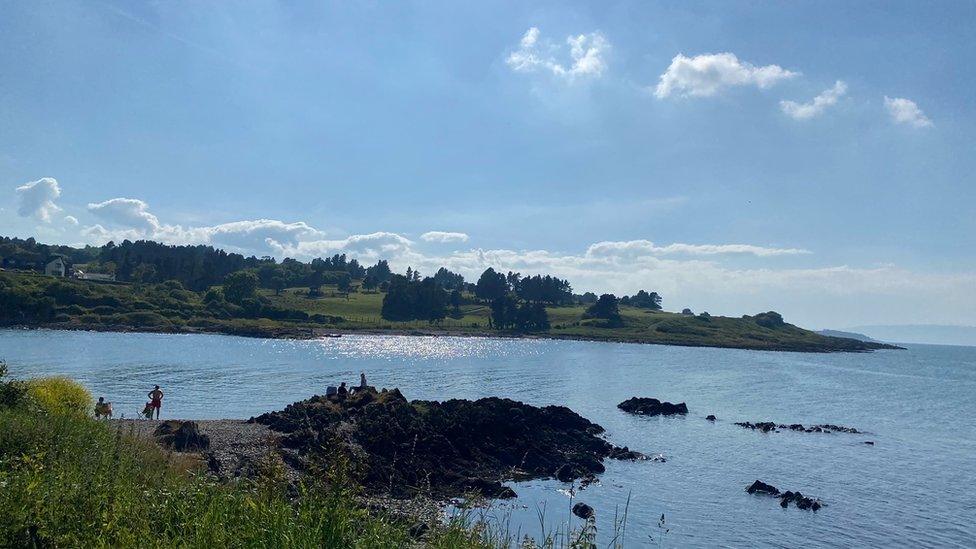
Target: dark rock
583, 511
710, 417
869, 442
626, 454
785, 498
767, 426
762, 488
447, 449
652, 407
419, 530
182, 436
800, 501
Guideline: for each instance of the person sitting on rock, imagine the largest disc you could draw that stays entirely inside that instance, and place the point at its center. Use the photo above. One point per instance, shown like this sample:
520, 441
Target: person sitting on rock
342, 391
362, 381
103, 409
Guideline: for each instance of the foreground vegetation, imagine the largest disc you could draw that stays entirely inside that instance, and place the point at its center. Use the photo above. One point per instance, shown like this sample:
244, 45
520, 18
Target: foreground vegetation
67, 480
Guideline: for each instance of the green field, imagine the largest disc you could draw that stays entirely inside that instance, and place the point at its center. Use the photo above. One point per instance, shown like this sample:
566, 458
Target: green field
29, 299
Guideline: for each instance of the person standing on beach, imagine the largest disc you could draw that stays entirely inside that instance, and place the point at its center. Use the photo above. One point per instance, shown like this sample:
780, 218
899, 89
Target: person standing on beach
156, 400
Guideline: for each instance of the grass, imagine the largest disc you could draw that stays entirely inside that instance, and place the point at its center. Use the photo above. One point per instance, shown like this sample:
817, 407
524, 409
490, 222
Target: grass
167, 307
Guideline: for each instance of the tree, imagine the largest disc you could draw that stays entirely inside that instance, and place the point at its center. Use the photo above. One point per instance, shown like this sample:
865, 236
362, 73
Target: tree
240, 286
278, 283
643, 300
770, 319
605, 308
407, 299
370, 282
588, 298
456, 302
491, 285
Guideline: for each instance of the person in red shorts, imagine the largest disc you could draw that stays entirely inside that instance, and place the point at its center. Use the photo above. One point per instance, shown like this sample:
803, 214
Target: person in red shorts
156, 400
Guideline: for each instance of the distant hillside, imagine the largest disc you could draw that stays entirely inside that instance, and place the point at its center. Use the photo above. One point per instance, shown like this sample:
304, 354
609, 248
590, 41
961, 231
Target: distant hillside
932, 334
849, 335
35, 300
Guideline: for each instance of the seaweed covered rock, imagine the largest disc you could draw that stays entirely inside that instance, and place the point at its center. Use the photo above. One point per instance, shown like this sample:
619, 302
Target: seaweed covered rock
583, 511
182, 436
446, 448
767, 426
652, 407
785, 498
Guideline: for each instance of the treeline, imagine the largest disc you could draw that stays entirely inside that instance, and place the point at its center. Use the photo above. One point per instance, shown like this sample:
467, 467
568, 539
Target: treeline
29, 254
516, 302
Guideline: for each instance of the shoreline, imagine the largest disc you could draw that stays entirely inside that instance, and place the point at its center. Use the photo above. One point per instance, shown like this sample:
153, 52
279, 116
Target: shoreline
302, 333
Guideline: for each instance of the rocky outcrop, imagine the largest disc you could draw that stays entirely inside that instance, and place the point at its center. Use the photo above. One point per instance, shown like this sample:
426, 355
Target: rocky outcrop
451, 448
182, 436
767, 426
710, 417
583, 511
785, 498
652, 407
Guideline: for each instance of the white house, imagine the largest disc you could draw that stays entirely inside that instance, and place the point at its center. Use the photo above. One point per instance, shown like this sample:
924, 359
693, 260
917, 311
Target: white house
97, 277
55, 267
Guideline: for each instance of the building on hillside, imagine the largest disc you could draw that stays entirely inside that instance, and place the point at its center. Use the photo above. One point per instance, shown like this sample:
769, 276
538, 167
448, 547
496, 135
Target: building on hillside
95, 277
55, 267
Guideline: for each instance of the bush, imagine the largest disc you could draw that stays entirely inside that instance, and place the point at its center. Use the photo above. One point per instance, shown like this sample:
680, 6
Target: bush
12, 392
59, 395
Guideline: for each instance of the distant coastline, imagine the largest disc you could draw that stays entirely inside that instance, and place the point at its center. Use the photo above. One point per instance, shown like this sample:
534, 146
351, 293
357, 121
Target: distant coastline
306, 333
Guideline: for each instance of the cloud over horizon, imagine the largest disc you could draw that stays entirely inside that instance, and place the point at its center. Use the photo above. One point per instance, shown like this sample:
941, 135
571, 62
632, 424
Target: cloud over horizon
586, 52
710, 74
905, 111
443, 237
820, 103
36, 199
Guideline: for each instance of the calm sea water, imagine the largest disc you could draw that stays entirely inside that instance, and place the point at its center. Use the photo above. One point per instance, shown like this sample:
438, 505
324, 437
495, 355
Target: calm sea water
913, 488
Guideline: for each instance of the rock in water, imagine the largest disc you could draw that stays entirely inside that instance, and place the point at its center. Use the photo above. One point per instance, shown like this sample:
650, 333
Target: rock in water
583, 511
451, 448
710, 417
652, 407
785, 498
762, 488
182, 436
767, 426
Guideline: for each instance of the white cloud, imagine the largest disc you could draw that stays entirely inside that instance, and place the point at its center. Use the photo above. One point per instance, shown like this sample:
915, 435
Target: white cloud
126, 212
805, 111
71, 220
443, 237
905, 111
36, 199
709, 74
636, 248
586, 54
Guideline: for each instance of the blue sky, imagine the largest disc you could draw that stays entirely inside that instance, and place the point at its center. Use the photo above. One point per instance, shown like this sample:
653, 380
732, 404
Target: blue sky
815, 158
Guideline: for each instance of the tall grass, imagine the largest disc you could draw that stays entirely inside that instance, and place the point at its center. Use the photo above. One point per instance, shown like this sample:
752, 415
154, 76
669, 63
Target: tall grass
68, 481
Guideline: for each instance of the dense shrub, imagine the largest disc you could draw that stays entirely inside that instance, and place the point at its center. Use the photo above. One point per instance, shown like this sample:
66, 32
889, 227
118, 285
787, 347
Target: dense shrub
142, 318
59, 395
12, 392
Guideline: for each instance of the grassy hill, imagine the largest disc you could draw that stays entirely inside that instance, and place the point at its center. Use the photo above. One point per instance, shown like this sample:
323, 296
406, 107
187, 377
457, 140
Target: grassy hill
30, 299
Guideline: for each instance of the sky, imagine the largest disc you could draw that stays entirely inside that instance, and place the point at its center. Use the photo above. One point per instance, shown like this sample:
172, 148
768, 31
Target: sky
813, 158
